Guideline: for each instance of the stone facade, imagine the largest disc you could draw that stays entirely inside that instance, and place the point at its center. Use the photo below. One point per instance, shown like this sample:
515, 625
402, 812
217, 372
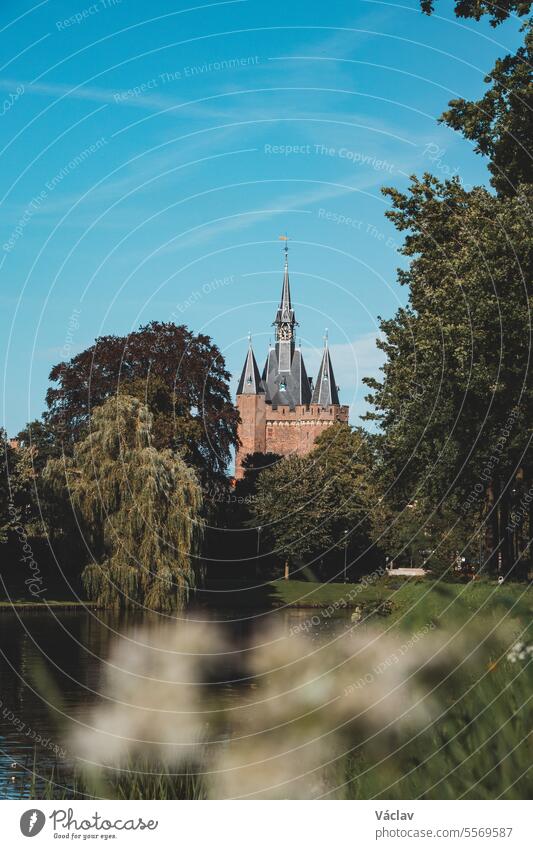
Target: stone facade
281, 411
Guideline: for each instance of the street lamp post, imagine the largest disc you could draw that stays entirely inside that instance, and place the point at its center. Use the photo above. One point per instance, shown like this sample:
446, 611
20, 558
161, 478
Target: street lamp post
345, 553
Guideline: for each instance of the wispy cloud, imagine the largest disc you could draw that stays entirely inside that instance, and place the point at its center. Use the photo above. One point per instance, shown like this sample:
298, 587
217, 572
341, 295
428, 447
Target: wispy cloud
84, 92
292, 202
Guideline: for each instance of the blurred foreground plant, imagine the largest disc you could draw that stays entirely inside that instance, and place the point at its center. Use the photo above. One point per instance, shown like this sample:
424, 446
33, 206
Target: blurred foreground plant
427, 712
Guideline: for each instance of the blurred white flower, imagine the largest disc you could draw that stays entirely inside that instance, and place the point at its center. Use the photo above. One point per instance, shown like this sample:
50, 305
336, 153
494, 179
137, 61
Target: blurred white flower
301, 705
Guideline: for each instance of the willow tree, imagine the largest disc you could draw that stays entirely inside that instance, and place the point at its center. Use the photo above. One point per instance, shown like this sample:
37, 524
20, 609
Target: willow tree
139, 508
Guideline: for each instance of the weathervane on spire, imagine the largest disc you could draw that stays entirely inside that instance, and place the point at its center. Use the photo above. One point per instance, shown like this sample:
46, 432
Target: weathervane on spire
285, 239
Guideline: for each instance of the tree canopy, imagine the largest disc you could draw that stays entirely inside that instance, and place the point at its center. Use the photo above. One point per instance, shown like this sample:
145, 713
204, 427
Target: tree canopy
181, 377
310, 507
501, 122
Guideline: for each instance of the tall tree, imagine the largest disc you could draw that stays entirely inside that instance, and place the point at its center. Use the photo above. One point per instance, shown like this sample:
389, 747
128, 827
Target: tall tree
456, 401
139, 508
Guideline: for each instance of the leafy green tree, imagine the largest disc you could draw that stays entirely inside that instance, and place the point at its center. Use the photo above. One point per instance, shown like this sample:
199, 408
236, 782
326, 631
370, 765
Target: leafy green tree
455, 402
17, 497
291, 510
501, 122
311, 507
139, 507
42, 443
345, 457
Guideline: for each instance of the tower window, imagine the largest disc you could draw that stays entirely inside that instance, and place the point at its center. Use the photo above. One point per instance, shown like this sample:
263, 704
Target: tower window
282, 385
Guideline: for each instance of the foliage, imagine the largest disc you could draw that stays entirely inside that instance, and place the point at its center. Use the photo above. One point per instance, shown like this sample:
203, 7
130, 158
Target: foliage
455, 402
135, 779
345, 456
17, 504
246, 487
310, 506
253, 465
478, 744
43, 443
499, 11
181, 377
7, 461
139, 507
290, 508
501, 122
46, 512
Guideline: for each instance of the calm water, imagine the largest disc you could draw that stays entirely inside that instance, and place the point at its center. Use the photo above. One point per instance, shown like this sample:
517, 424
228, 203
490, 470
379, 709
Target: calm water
52, 668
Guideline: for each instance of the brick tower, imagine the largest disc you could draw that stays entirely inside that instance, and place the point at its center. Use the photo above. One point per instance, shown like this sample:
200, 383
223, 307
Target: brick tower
281, 412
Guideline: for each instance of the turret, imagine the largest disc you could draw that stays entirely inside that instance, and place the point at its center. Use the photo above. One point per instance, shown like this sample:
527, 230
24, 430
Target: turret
250, 382
252, 410
326, 391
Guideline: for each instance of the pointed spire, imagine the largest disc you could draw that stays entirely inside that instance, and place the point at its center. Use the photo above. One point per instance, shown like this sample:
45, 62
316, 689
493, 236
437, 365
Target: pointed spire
285, 313
325, 392
285, 304
285, 321
250, 382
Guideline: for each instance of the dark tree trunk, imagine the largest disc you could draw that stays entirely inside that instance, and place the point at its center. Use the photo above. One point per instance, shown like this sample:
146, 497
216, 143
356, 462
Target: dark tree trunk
505, 534
492, 528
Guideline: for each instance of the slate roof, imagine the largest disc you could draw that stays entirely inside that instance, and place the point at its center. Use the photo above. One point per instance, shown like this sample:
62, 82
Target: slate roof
286, 387
250, 382
325, 391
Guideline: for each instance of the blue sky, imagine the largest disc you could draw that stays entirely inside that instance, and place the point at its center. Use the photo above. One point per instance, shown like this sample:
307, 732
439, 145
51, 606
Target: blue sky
150, 160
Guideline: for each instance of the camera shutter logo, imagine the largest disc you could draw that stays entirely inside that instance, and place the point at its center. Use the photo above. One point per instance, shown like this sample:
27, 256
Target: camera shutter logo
32, 822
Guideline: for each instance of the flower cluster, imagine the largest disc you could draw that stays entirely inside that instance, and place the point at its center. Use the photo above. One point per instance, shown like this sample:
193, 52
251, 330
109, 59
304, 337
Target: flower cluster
520, 651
